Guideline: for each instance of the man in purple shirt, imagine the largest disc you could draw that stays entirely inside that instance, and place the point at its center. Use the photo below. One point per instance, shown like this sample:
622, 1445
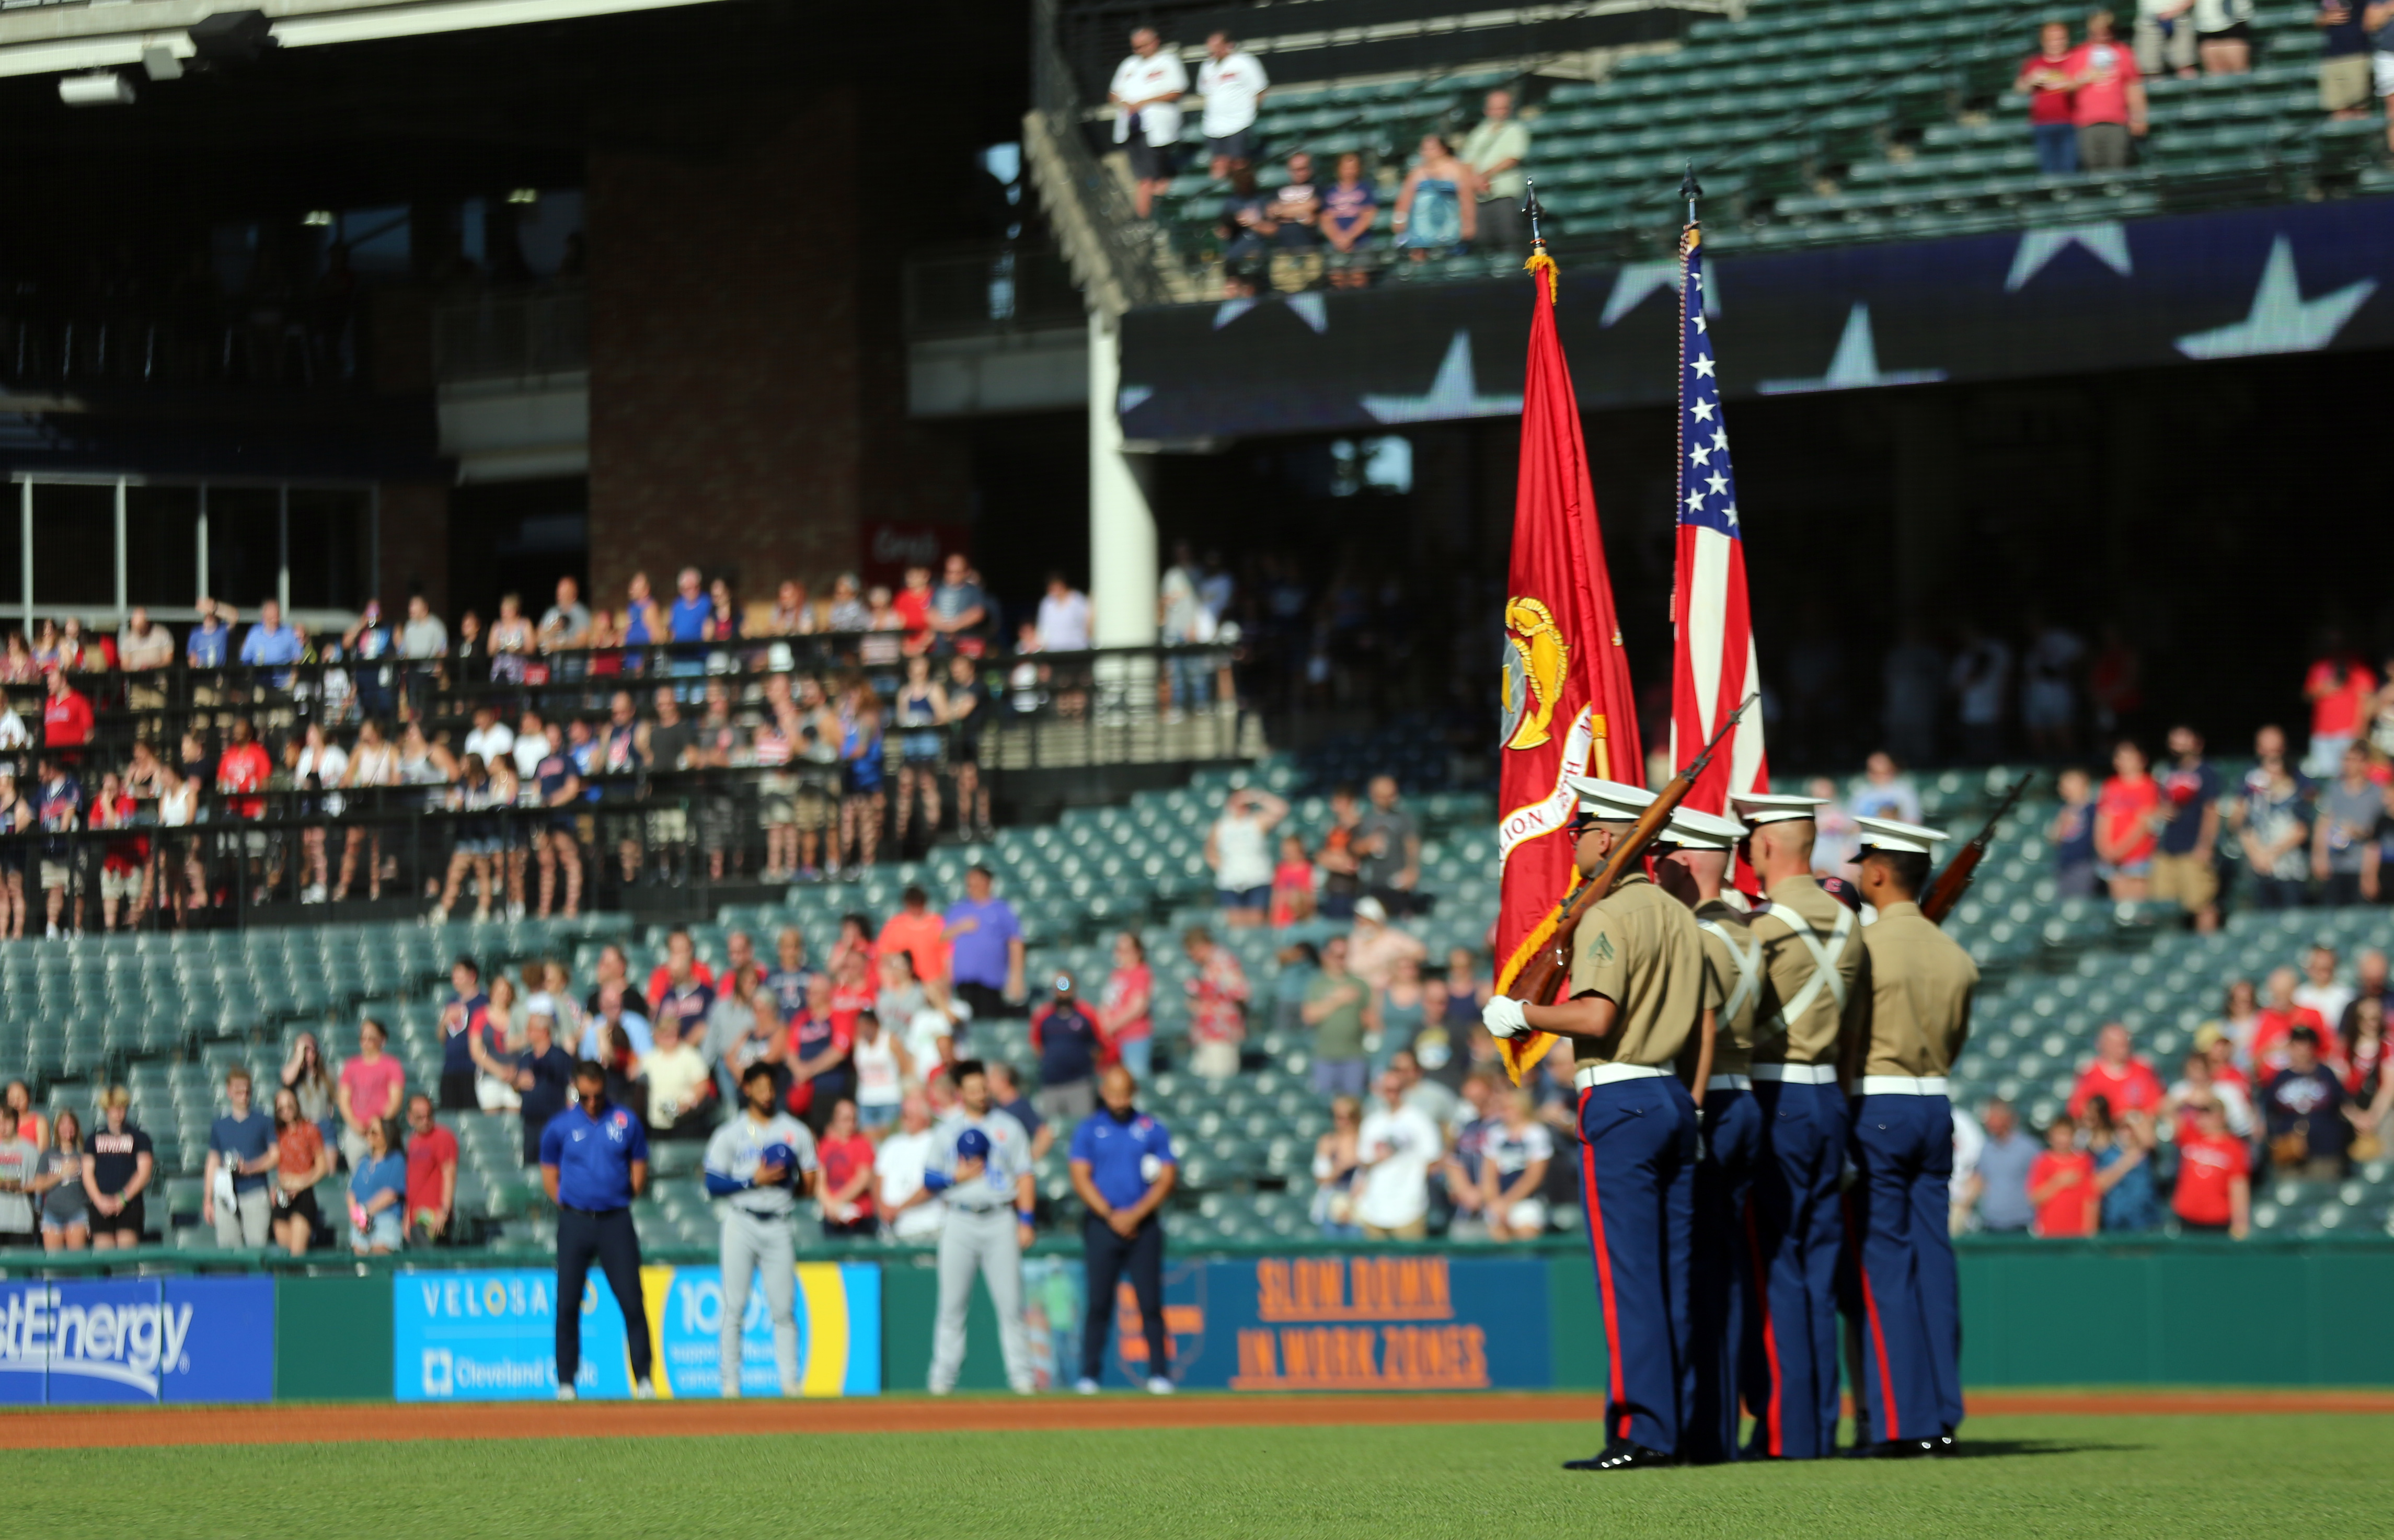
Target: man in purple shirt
985, 950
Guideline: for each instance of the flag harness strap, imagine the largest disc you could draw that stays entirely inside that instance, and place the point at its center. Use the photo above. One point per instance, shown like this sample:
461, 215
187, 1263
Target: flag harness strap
1749, 966
1825, 967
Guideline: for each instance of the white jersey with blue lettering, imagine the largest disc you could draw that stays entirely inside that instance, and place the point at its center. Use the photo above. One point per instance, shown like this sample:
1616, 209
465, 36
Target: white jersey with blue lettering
1009, 1157
737, 1150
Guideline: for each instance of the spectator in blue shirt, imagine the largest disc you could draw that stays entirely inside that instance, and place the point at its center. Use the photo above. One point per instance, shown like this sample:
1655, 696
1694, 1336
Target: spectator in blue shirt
1123, 1168
687, 619
985, 949
958, 606
205, 647
542, 1075
269, 641
240, 1155
377, 1192
594, 1160
1064, 1032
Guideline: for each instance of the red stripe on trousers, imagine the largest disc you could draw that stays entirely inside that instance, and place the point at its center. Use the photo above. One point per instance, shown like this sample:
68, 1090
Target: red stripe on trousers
1878, 1334
1603, 1267
1771, 1414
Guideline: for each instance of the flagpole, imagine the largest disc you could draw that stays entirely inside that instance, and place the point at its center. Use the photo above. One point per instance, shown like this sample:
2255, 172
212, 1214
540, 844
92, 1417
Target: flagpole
1690, 190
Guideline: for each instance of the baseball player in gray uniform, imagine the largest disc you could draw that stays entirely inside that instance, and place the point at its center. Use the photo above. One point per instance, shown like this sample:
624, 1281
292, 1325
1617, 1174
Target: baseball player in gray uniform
981, 1165
759, 1164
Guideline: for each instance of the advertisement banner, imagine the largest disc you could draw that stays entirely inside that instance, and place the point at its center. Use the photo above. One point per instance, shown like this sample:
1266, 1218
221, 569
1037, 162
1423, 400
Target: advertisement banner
492, 1336
135, 1340
1401, 1322
838, 1309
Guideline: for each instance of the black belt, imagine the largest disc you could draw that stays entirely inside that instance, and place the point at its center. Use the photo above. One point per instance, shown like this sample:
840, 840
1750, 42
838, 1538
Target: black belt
595, 1213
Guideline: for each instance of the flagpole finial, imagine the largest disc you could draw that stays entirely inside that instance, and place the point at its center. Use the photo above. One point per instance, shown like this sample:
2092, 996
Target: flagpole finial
1539, 262
1690, 190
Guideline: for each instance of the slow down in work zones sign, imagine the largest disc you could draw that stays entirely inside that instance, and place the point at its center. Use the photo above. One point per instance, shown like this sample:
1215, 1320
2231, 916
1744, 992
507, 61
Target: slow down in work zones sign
136, 1341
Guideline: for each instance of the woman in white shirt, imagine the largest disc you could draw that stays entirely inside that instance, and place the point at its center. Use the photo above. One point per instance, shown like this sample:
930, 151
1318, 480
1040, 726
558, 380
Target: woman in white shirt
1513, 1172
179, 804
320, 766
1238, 848
883, 1066
374, 762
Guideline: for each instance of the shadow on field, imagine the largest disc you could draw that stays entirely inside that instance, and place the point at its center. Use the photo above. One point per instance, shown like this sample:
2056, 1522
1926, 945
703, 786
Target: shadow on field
1995, 1449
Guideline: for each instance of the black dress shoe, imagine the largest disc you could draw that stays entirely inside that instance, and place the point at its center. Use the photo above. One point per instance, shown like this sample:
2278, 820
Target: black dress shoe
1941, 1447
1891, 1449
1622, 1456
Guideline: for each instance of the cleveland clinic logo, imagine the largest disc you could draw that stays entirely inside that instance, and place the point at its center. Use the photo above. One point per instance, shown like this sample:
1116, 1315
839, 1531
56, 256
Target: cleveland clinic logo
127, 1343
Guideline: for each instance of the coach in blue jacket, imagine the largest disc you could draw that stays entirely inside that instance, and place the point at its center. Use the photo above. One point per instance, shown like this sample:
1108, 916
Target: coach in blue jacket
594, 1160
1123, 1168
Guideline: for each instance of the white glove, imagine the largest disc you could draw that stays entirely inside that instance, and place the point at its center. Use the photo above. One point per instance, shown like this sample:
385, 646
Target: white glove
1502, 1017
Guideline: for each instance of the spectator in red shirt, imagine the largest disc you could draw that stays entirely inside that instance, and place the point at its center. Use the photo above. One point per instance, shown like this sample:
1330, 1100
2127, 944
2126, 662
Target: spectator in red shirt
2276, 1021
2046, 78
2128, 818
432, 1175
2215, 1183
2108, 102
2061, 1183
846, 1159
681, 966
66, 716
244, 769
914, 607
2123, 1080
125, 863
2339, 687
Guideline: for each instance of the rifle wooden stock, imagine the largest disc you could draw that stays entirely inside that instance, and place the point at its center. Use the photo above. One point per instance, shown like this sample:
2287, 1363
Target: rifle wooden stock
1954, 880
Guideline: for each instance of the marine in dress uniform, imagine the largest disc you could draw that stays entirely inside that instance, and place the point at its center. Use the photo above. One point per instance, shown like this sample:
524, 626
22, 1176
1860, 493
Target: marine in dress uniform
1691, 864
1634, 999
1813, 959
1905, 1299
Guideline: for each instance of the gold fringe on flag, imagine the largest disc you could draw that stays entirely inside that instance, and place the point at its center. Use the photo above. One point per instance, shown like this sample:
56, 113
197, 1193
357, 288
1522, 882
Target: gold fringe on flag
1541, 263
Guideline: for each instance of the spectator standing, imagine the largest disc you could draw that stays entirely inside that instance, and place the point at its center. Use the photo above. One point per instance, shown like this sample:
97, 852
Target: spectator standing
2324, 994
207, 644
2127, 824
1295, 214
1233, 82
58, 808
1885, 792
1063, 625
2164, 38
2183, 870
463, 1016
981, 1165
2346, 89
2123, 1080
831, 1052
2109, 104
1514, 1157
1065, 1036
543, 1076
1123, 1168
2046, 78
66, 716
2049, 666
1217, 1001
847, 1157
758, 1166
917, 932
236, 1197
1387, 846
1146, 93
2272, 819
1292, 885
1494, 149
2223, 34
1396, 1146
1998, 1183
1238, 849
1341, 866
1912, 684
377, 1192
1125, 1008
66, 1203
1006, 1095
370, 1086
116, 1174
2073, 835
681, 1088
1378, 948
1336, 1163
300, 1162
2061, 1184
1982, 681
2350, 809
985, 949
2197, 1082
959, 616
594, 1161
1438, 206
2123, 1169
20, 1164
431, 1218
2304, 1104
2274, 1026
899, 1167
882, 1068
1337, 1006
2214, 1183
2339, 686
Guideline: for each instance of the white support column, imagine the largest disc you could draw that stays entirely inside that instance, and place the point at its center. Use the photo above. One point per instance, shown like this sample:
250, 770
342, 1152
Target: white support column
25, 549
200, 541
120, 548
283, 549
1122, 571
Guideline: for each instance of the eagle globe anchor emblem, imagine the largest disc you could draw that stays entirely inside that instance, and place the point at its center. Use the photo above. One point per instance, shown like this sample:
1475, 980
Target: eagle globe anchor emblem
1535, 658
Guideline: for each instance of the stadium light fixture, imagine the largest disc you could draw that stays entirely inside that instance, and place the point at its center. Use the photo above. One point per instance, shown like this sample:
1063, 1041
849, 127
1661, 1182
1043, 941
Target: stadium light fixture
524, 195
99, 89
318, 219
159, 62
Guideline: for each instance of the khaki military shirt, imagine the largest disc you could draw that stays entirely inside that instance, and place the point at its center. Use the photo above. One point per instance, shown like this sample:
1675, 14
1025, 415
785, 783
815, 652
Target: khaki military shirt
1734, 979
1812, 1035
1640, 949
1919, 995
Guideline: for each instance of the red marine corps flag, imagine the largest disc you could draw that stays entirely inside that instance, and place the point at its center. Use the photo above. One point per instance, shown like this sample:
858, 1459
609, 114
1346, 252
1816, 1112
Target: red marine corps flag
1567, 708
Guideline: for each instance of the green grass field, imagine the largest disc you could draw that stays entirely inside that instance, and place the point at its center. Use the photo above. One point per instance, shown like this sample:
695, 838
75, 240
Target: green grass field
2299, 1475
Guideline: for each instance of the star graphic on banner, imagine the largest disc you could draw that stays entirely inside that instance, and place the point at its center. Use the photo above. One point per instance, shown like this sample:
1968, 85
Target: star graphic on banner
1310, 308
1453, 393
1231, 309
1701, 454
1704, 365
1718, 481
2107, 242
1855, 366
2281, 321
1703, 412
1634, 281
1130, 398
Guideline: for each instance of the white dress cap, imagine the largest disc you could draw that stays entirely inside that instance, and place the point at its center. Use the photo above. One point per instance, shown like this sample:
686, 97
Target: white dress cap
1611, 801
1702, 831
1760, 808
1887, 834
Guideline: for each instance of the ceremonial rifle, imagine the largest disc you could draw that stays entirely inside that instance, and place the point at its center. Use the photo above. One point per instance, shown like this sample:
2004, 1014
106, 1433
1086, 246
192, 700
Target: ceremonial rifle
1541, 979
1952, 882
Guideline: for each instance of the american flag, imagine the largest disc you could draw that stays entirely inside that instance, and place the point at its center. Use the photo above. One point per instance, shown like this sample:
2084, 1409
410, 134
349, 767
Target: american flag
1712, 665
